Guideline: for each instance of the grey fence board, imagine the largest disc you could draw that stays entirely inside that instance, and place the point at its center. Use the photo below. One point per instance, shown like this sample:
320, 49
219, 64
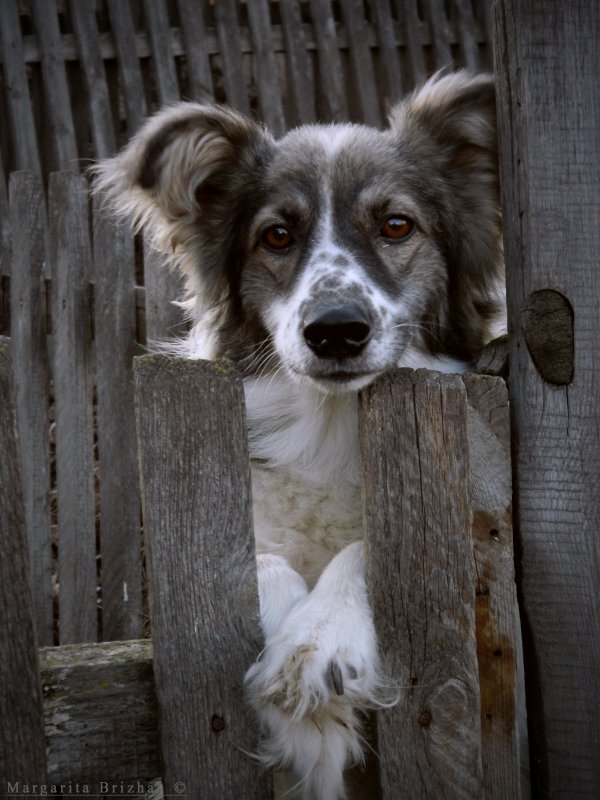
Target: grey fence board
499, 652
421, 577
159, 32
28, 226
58, 106
114, 314
435, 14
234, 75
299, 71
163, 319
406, 10
94, 77
15, 78
100, 713
331, 75
550, 173
200, 556
22, 740
265, 66
70, 257
466, 27
362, 61
393, 82
195, 43
130, 73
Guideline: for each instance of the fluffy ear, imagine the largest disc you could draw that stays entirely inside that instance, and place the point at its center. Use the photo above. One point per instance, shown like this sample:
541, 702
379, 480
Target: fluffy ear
450, 125
179, 178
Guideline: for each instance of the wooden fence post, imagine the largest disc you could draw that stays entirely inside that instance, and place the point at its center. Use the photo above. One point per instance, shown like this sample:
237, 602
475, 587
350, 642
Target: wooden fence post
547, 65
22, 739
420, 563
201, 568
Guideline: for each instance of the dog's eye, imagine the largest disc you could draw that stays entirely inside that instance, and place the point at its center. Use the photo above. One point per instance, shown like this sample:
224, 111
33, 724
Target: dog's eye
397, 228
277, 237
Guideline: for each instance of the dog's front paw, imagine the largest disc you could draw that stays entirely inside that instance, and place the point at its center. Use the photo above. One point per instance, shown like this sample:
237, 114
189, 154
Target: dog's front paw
314, 677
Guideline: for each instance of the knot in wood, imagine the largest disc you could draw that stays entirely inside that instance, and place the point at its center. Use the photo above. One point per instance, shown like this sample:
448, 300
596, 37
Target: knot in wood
217, 723
425, 719
547, 321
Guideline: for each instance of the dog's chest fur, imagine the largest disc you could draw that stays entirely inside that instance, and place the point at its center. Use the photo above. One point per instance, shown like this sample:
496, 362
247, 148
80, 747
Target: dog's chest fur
305, 472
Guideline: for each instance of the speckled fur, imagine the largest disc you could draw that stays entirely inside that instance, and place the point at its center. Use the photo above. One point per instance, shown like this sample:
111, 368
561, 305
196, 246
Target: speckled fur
205, 183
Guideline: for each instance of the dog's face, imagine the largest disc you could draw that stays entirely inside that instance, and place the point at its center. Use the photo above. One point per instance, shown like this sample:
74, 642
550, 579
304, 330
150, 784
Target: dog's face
337, 250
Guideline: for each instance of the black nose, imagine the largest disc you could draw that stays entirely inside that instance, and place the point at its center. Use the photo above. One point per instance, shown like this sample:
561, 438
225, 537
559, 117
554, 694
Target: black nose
337, 331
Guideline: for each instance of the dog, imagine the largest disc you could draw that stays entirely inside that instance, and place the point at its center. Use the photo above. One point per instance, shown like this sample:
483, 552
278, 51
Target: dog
317, 262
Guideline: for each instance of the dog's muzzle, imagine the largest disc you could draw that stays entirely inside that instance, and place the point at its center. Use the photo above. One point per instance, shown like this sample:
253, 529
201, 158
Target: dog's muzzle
337, 331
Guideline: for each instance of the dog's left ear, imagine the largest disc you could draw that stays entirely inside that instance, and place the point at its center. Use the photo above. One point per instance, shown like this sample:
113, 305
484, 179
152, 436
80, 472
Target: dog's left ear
449, 124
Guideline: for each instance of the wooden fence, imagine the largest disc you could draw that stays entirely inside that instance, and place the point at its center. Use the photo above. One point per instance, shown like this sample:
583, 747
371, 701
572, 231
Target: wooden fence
79, 298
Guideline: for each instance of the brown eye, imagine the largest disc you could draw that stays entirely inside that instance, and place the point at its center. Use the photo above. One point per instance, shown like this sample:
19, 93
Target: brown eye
397, 228
277, 237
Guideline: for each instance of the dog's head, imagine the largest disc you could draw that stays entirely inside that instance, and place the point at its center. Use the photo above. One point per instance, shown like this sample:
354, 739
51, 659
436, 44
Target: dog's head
338, 249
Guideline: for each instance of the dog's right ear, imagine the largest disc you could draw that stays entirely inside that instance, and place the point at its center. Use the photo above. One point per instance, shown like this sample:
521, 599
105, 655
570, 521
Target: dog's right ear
181, 160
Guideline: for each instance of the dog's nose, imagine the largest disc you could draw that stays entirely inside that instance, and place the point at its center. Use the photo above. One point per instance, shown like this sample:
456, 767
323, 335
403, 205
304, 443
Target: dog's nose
339, 331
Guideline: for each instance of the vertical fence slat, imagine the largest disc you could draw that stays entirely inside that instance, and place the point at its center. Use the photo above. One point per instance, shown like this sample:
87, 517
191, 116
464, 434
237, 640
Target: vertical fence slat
301, 87
28, 226
265, 66
331, 75
393, 84
94, 76
162, 286
548, 62
419, 553
435, 13
234, 76
201, 567
499, 651
193, 31
58, 102
130, 72
114, 314
466, 35
23, 139
406, 11
22, 739
362, 62
70, 260
159, 31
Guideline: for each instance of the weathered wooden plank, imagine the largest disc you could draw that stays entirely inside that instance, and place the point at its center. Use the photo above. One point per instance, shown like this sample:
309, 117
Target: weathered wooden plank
23, 139
362, 63
159, 31
329, 63
130, 73
58, 106
549, 118
28, 330
421, 578
195, 42
393, 85
300, 80
94, 76
265, 67
230, 51
22, 742
406, 10
114, 315
163, 286
499, 652
466, 28
435, 14
70, 258
201, 568
100, 713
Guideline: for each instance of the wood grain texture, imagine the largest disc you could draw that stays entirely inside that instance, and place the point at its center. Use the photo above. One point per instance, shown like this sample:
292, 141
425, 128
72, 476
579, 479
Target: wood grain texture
547, 324
159, 31
300, 78
22, 743
30, 355
234, 76
195, 42
363, 84
329, 64
202, 573
421, 576
499, 652
70, 257
265, 67
17, 90
548, 61
130, 73
100, 712
120, 516
163, 319
406, 10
